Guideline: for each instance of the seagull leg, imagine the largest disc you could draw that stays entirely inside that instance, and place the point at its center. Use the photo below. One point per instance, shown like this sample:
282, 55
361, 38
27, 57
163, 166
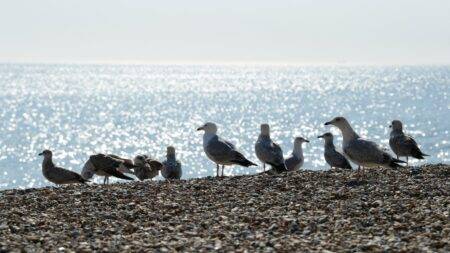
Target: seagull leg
217, 170
104, 180
223, 167
407, 161
358, 173
264, 166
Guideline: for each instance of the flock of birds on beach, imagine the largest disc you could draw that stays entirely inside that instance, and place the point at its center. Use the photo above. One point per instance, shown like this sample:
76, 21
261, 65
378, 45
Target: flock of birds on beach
363, 152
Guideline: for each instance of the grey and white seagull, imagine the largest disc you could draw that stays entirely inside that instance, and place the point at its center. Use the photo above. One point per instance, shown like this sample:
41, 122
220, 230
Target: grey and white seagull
268, 151
295, 160
220, 151
402, 144
332, 156
58, 175
171, 166
363, 152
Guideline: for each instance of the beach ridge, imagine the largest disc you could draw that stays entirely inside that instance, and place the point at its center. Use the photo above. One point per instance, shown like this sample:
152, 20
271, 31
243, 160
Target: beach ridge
376, 210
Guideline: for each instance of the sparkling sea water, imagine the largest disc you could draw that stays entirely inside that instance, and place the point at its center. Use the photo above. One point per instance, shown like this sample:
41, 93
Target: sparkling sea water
78, 110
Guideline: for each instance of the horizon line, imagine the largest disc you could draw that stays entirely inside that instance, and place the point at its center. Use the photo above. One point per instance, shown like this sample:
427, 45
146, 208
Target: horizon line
218, 63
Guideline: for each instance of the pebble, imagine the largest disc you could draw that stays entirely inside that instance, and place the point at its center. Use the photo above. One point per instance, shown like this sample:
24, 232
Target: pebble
311, 211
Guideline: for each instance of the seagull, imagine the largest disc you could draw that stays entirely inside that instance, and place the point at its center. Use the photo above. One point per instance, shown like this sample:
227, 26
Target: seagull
295, 160
126, 165
333, 157
402, 144
268, 151
171, 166
220, 151
147, 168
107, 165
58, 175
363, 152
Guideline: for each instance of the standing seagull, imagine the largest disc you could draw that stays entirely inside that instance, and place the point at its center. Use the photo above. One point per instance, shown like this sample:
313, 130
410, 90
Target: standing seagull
147, 168
58, 175
333, 157
106, 165
219, 150
171, 166
363, 152
402, 144
268, 151
295, 160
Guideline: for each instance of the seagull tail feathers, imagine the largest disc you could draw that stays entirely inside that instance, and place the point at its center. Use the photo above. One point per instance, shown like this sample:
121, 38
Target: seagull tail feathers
119, 174
82, 180
397, 160
279, 167
416, 153
241, 160
245, 163
348, 166
395, 163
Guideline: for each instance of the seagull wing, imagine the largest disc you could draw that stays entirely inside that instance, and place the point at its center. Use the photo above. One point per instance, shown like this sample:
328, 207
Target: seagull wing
365, 151
68, 175
108, 164
220, 150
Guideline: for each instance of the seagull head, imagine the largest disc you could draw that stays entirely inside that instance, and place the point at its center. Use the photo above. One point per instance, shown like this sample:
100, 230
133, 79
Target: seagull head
299, 140
46, 153
265, 129
339, 122
170, 150
139, 160
396, 125
208, 127
326, 136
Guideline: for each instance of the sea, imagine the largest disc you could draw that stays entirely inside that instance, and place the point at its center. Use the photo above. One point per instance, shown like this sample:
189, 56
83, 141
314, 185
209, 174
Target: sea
77, 110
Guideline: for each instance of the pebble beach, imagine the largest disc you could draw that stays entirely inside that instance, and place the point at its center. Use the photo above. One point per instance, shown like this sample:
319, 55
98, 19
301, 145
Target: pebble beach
404, 210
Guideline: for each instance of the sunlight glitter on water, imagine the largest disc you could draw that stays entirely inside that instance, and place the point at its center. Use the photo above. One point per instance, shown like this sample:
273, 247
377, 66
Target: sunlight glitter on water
77, 110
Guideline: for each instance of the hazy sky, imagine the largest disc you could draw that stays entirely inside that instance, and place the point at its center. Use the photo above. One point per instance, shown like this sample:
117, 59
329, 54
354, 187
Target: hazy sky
315, 31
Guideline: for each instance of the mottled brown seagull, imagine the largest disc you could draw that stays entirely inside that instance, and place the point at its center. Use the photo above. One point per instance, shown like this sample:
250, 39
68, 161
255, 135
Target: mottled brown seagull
402, 144
147, 168
58, 175
107, 165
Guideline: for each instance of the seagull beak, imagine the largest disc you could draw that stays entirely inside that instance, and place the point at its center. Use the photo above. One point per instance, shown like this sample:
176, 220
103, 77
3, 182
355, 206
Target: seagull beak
327, 123
320, 136
306, 140
41, 154
200, 128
